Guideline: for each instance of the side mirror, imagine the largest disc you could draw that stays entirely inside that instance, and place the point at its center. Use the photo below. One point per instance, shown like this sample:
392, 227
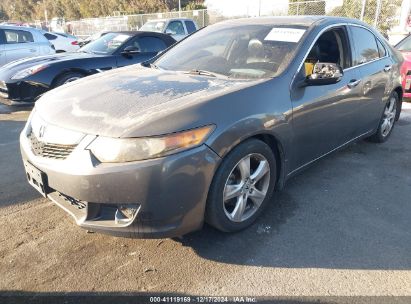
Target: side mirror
130, 50
324, 73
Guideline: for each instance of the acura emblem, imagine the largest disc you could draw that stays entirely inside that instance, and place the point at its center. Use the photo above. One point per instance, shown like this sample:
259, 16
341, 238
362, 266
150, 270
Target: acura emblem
42, 130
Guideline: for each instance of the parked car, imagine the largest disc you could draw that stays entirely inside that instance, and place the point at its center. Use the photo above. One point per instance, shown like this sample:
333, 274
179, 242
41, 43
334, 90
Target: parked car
83, 42
18, 42
62, 42
404, 46
208, 129
25, 80
178, 28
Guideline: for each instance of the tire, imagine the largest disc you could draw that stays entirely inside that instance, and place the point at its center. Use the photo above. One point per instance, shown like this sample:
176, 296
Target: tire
67, 77
234, 210
388, 119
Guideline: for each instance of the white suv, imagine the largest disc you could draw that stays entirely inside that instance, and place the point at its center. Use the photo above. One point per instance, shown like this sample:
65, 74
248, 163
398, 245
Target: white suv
17, 42
178, 28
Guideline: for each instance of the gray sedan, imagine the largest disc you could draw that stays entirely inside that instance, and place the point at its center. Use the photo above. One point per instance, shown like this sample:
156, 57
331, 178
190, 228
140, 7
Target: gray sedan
209, 129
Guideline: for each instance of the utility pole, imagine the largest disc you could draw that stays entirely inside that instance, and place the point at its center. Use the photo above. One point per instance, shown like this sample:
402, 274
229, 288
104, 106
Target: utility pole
364, 2
47, 19
377, 13
179, 8
259, 8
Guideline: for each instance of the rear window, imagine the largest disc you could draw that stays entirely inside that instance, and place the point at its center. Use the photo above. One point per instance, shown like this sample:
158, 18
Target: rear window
153, 26
50, 36
190, 26
18, 36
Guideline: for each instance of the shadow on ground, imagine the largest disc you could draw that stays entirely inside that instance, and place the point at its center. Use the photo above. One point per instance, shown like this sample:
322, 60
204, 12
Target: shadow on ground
14, 188
350, 210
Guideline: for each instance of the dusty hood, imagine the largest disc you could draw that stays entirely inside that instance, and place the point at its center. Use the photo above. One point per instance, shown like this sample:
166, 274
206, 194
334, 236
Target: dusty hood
128, 101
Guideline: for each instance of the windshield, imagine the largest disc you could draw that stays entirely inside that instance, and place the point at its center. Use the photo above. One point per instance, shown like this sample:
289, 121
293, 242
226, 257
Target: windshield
106, 44
153, 26
237, 51
404, 45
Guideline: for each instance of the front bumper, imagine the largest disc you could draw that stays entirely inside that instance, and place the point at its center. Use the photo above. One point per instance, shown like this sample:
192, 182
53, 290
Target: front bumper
170, 192
20, 91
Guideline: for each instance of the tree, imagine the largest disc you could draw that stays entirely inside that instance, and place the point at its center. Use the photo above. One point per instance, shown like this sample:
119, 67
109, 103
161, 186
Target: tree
306, 7
386, 17
30, 10
3, 15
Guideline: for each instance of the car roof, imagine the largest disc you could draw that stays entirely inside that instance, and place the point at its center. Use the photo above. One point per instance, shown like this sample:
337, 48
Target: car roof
169, 19
164, 37
21, 28
138, 33
293, 20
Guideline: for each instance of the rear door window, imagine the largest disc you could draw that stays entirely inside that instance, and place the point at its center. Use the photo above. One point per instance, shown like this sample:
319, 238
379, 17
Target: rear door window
381, 49
18, 36
365, 45
191, 28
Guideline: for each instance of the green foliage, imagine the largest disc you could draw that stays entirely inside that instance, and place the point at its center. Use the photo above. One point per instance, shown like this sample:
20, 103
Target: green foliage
306, 7
352, 9
3, 15
30, 10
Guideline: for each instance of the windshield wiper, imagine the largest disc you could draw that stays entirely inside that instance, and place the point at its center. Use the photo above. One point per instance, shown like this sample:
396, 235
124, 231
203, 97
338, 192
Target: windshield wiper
200, 72
149, 65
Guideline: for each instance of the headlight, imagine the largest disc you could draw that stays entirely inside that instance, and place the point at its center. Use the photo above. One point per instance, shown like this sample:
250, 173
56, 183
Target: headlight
30, 71
117, 150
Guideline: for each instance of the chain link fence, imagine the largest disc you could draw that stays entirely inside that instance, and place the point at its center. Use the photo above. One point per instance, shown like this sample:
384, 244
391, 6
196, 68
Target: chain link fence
382, 14
86, 27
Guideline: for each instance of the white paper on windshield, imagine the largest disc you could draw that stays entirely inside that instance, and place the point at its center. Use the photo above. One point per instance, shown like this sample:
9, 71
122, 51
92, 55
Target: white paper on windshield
285, 34
121, 37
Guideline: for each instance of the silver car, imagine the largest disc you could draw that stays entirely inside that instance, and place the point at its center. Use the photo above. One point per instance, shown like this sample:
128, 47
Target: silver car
17, 42
178, 28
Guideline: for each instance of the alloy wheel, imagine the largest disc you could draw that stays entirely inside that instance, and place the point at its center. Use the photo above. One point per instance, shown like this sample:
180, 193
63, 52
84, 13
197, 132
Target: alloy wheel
388, 120
246, 187
71, 79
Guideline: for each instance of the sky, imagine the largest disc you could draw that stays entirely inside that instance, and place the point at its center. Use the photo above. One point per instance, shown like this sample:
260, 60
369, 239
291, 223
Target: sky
251, 7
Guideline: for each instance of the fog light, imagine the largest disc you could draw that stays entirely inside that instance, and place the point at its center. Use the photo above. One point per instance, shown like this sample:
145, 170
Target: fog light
126, 213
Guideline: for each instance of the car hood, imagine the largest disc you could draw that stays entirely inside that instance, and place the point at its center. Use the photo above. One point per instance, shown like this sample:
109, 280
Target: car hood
133, 101
48, 59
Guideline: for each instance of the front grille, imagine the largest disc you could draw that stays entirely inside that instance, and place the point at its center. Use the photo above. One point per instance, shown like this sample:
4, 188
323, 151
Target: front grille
55, 151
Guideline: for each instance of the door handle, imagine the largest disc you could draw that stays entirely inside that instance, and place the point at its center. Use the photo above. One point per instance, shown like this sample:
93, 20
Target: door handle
387, 68
32, 50
353, 83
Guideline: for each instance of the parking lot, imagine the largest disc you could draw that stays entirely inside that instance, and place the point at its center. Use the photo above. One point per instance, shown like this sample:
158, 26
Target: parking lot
342, 227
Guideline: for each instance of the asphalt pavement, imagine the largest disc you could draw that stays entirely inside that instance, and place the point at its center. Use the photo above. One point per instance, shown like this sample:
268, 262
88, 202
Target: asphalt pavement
341, 228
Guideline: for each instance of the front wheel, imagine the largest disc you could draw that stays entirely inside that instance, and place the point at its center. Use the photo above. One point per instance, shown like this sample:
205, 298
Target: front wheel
388, 119
67, 78
242, 186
